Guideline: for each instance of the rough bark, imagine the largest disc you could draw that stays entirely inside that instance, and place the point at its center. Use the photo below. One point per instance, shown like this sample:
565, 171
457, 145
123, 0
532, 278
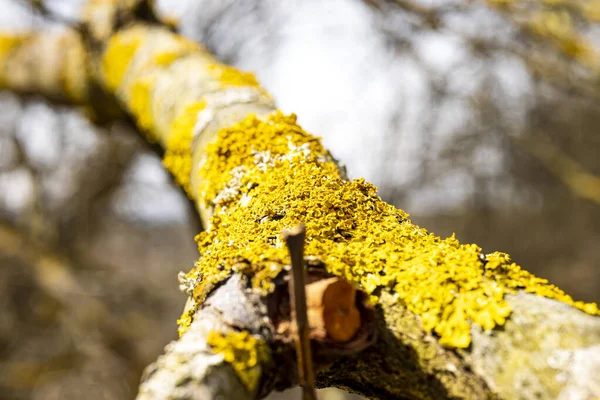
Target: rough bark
484, 338
189, 368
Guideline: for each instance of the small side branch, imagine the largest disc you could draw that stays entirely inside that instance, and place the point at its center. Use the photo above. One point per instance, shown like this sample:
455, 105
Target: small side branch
295, 242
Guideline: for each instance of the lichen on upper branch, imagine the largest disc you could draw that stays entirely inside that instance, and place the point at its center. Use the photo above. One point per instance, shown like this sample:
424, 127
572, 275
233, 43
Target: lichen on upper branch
170, 85
160, 76
54, 64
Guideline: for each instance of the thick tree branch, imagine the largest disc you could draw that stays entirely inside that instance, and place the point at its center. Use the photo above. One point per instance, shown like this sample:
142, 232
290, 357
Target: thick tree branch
445, 311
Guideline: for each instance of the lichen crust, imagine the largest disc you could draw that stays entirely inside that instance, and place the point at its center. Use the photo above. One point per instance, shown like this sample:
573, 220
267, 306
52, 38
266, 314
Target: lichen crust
244, 352
139, 62
264, 176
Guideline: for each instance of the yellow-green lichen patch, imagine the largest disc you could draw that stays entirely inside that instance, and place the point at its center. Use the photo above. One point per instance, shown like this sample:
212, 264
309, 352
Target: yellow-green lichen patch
275, 176
500, 267
178, 154
141, 97
185, 321
182, 47
141, 105
118, 55
167, 49
229, 76
8, 42
252, 144
164, 59
244, 352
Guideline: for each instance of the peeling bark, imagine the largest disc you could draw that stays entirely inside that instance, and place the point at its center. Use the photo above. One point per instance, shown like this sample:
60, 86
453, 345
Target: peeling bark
189, 368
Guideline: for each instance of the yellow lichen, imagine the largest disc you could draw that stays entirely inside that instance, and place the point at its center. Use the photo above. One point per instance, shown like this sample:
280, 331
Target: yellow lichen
138, 57
185, 321
118, 55
241, 144
178, 154
181, 48
180, 166
8, 42
243, 352
229, 76
141, 105
166, 58
262, 177
500, 267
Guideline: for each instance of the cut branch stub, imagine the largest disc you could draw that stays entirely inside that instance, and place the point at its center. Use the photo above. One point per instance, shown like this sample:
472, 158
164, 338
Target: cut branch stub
332, 311
340, 319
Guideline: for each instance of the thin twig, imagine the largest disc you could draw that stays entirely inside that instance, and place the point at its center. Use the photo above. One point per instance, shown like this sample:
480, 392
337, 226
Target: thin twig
294, 239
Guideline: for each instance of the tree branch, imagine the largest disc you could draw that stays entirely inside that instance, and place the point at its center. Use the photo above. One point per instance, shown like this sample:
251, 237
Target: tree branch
445, 311
190, 368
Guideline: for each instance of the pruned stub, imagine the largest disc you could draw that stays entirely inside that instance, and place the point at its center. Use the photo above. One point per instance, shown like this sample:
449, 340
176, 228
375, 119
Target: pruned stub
340, 319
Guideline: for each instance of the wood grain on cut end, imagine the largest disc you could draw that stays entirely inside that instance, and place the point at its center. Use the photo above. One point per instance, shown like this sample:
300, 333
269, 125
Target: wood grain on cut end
332, 311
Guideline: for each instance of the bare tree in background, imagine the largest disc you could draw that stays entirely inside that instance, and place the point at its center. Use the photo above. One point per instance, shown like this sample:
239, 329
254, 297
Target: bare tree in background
92, 228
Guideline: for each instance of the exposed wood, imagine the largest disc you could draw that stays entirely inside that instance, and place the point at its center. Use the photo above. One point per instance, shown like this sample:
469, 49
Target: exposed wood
332, 311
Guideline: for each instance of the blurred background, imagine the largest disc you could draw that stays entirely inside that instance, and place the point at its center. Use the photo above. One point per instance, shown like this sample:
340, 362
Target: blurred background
476, 117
